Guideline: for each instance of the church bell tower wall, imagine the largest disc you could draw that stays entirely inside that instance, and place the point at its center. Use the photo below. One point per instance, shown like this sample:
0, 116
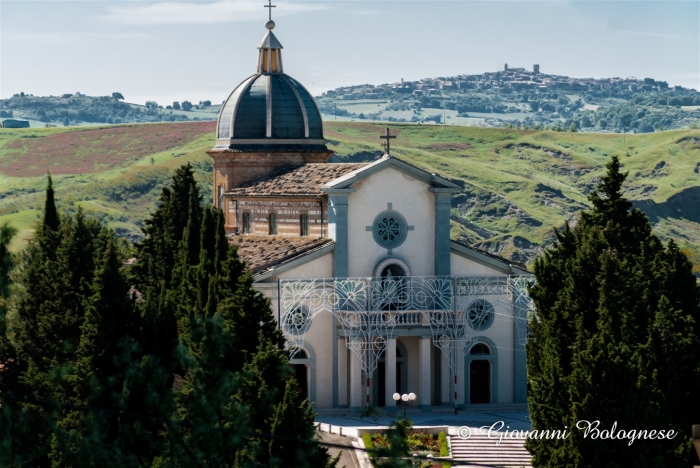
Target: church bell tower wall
234, 168
288, 212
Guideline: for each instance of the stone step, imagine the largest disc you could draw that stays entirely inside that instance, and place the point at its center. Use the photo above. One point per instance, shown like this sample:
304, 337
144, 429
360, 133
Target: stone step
479, 449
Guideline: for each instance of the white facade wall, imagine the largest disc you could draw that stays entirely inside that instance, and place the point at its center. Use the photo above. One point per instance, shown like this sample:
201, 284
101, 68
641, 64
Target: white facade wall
460, 266
408, 196
502, 332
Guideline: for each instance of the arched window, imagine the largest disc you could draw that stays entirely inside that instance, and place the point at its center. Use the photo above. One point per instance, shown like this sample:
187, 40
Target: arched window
246, 223
221, 197
480, 348
304, 222
393, 288
393, 271
273, 224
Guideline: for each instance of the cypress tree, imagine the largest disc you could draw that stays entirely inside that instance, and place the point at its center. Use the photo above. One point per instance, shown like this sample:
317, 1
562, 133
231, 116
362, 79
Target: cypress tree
51, 220
247, 312
7, 232
160, 258
294, 418
163, 231
617, 320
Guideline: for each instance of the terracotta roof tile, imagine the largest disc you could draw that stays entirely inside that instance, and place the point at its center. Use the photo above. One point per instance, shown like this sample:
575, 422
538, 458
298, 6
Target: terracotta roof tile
295, 180
264, 252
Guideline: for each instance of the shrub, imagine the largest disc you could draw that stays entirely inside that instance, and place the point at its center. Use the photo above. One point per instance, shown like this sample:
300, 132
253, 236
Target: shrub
369, 444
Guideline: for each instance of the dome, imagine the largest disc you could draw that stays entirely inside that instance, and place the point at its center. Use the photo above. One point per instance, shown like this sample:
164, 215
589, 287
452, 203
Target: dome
270, 110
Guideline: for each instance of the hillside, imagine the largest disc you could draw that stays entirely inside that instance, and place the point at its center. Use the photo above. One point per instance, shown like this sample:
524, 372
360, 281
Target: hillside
516, 185
79, 109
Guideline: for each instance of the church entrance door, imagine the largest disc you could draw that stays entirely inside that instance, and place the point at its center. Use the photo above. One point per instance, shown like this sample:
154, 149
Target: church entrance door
381, 384
479, 381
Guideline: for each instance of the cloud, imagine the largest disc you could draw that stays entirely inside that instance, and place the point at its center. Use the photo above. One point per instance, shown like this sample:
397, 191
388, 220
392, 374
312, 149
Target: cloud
223, 11
68, 37
367, 12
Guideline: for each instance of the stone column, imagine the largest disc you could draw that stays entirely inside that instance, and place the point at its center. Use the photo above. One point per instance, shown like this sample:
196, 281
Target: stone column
424, 370
390, 373
356, 387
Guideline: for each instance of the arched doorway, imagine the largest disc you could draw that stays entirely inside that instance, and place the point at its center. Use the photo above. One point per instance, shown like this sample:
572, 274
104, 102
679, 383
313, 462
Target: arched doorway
302, 371
480, 374
301, 374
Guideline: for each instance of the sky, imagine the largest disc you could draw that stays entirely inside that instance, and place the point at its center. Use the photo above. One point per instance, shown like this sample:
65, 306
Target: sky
200, 50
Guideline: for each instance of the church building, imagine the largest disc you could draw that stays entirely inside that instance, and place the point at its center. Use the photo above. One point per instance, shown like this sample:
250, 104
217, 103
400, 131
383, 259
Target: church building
369, 289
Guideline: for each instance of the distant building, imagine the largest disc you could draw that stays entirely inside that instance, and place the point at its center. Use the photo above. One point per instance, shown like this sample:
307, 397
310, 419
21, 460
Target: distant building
12, 123
536, 69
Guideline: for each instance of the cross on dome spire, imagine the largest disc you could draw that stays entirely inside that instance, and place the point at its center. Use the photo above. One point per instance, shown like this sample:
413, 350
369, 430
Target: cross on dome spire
387, 137
270, 6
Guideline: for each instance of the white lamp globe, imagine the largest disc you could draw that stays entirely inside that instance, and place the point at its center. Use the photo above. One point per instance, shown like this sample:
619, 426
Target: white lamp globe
396, 397
404, 397
411, 396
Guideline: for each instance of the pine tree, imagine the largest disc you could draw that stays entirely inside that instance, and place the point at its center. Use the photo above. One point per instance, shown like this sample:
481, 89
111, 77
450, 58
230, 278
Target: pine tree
617, 320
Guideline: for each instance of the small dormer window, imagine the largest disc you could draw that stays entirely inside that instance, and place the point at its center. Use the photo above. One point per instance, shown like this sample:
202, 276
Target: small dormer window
273, 224
304, 222
246, 223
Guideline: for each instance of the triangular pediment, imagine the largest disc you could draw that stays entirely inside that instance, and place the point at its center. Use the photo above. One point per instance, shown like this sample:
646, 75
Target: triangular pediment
346, 181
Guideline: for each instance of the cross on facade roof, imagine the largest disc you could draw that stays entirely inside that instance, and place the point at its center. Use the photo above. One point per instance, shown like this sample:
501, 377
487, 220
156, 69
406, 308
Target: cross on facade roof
270, 6
386, 137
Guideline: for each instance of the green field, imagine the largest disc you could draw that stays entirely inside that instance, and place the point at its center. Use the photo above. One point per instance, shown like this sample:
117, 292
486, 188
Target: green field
516, 185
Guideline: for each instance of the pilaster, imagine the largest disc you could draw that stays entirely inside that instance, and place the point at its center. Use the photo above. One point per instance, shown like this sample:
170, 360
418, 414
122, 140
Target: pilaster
442, 230
338, 229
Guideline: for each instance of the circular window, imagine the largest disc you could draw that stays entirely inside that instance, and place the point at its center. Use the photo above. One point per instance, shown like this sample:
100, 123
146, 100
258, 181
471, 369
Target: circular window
389, 229
296, 321
480, 314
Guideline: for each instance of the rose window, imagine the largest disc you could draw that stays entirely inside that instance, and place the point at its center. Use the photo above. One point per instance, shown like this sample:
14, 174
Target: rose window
480, 314
389, 229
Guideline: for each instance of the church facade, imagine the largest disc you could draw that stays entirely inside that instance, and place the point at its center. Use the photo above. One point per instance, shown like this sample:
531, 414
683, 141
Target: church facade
372, 294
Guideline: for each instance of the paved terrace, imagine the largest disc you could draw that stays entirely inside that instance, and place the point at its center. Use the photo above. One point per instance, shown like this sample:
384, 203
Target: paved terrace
479, 450
514, 416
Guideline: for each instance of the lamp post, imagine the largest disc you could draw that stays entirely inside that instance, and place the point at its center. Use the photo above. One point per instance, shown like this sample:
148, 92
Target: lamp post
404, 400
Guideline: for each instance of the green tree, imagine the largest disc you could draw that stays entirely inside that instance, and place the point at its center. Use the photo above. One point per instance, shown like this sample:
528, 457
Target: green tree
294, 420
118, 96
617, 320
156, 261
7, 232
186, 105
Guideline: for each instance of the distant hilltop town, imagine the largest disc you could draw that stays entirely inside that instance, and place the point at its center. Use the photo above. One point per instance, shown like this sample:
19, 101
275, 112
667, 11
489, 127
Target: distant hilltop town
506, 81
521, 98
